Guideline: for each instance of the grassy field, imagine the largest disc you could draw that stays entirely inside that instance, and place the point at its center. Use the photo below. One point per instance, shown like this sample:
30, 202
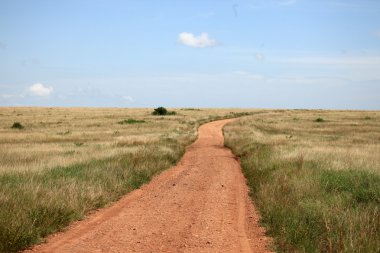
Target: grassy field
314, 176
65, 162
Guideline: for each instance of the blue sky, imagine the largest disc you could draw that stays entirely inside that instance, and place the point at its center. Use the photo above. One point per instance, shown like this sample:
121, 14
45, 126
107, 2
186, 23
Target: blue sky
253, 53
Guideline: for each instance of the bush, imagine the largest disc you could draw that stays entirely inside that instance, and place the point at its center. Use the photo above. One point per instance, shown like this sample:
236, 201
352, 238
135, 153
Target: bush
319, 120
17, 125
162, 111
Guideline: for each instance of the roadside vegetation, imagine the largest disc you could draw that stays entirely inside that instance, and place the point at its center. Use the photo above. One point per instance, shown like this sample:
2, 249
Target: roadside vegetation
67, 162
316, 185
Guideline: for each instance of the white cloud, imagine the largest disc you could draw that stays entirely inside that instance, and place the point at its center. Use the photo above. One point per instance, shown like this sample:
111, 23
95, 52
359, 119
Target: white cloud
128, 99
3, 45
39, 89
377, 34
200, 41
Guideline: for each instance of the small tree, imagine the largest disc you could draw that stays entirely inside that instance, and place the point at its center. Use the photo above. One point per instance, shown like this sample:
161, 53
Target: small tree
17, 125
160, 111
319, 120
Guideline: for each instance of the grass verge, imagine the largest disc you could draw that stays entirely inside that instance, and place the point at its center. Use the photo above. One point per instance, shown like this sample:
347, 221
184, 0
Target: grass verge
55, 197
307, 205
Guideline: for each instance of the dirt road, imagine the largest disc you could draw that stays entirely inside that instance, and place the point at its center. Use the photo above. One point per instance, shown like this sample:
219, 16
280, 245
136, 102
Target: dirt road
201, 205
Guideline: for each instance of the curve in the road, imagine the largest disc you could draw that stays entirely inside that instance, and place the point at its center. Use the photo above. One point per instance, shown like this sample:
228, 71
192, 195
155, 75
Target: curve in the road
201, 205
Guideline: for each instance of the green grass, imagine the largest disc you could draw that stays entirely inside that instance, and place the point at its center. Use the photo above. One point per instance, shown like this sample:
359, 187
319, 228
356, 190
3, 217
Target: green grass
306, 205
335, 211
360, 187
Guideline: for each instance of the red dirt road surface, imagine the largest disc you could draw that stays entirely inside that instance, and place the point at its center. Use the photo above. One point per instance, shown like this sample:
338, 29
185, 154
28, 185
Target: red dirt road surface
201, 205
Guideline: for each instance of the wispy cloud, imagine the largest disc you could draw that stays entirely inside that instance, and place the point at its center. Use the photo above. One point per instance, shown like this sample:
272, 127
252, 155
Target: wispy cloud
377, 34
39, 89
201, 41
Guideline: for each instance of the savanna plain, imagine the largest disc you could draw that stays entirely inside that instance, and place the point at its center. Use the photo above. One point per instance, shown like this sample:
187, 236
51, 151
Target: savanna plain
314, 175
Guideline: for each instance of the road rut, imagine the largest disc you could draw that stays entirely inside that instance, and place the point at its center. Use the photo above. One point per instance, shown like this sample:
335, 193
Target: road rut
200, 205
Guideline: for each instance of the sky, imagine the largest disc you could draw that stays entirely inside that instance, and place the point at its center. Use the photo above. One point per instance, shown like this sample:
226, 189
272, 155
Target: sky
191, 53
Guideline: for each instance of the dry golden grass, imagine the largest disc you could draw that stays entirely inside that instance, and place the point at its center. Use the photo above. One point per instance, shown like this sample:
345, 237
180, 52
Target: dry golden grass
68, 161
65, 136
316, 182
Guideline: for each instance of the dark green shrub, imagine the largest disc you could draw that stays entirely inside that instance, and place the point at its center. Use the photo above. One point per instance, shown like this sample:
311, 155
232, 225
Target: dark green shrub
160, 111
163, 111
17, 125
319, 120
